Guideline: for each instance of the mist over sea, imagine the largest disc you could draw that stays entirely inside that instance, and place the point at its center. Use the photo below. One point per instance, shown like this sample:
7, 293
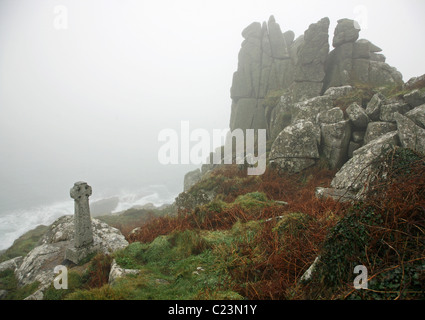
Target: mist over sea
15, 222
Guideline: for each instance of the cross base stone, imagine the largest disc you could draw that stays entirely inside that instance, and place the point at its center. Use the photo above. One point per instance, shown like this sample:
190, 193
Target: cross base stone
75, 255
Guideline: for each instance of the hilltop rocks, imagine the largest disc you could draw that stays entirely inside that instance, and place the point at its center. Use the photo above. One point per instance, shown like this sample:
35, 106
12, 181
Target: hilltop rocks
272, 61
356, 60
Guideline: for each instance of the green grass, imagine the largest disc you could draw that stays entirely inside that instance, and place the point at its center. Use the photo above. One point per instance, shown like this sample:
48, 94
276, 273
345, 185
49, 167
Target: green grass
169, 269
9, 283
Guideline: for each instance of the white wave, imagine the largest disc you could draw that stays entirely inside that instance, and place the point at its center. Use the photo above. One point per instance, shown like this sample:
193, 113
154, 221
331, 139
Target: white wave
13, 224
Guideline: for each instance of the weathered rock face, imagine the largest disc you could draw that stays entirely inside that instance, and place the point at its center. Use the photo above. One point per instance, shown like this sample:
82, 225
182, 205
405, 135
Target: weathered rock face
377, 129
303, 69
417, 115
296, 147
356, 60
358, 116
39, 264
373, 109
311, 58
411, 135
336, 138
353, 175
264, 65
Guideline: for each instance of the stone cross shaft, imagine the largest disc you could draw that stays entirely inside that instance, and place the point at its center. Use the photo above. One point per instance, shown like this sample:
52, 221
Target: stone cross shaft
82, 220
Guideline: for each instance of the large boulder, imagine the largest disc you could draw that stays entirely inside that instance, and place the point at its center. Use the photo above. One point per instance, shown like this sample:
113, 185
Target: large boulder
309, 109
346, 31
411, 135
417, 115
296, 147
333, 115
388, 110
354, 173
11, 264
415, 98
377, 129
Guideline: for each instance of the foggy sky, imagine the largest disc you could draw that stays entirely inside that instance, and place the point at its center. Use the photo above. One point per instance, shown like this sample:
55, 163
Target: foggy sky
87, 103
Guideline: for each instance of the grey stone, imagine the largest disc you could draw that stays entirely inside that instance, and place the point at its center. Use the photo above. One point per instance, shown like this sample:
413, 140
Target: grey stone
388, 110
305, 90
415, 98
289, 37
11, 264
354, 173
380, 73
339, 66
277, 40
313, 52
296, 147
377, 57
373, 109
191, 178
415, 82
3, 294
353, 146
252, 31
358, 136
364, 48
346, 31
309, 273
244, 113
377, 129
417, 115
338, 92
118, 272
335, 141
330, 116
309, 109
411, 135
358, 116
340, 195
